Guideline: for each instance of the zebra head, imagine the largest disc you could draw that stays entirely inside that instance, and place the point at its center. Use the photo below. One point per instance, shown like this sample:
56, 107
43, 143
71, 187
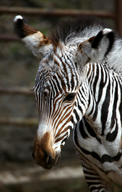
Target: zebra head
61, 88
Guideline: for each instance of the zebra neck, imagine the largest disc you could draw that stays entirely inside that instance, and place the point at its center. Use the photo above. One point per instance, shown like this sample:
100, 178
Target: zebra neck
104, 106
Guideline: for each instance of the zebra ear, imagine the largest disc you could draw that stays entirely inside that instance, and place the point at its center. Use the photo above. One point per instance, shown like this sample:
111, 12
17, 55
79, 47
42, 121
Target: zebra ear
97, 47
104, 41
38, 43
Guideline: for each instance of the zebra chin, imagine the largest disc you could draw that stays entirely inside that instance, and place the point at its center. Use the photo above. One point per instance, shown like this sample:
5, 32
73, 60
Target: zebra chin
44, 154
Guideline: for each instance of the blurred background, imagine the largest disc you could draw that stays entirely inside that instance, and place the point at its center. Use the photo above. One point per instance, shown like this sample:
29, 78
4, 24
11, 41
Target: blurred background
18, 113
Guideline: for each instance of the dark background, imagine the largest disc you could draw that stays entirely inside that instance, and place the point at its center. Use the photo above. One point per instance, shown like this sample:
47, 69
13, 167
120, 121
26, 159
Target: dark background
18, 67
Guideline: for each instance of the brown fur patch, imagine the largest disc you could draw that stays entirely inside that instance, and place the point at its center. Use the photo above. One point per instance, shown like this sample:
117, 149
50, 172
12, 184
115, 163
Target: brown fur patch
81, 46
43, 149
28, 30
44, 41
46, 143
91, 39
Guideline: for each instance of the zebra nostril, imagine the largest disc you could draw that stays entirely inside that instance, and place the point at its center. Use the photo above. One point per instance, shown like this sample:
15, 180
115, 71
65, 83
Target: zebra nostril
48, 160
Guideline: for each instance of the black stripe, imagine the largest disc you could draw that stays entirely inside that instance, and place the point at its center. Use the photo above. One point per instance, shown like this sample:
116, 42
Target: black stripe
54, 85
82, 131
65, 72
102, 84
97, 39
120, 107
107, 158
112, 136
89, 102
104, 158
91, 131
77, 144
95, 113
73, 76
57, 82
89, 71
104, 112
79, 107
93, 154
76, 115
81, 94
72, 120
97, 188
96, 79
72, 83
69, 84
94, 183
94, 90
91, 178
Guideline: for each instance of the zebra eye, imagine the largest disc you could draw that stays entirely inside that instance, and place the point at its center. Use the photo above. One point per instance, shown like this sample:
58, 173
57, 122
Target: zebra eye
70, 97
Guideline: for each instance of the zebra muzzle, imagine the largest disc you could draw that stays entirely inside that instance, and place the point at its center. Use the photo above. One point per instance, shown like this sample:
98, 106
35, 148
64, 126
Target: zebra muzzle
44, 154
46, 161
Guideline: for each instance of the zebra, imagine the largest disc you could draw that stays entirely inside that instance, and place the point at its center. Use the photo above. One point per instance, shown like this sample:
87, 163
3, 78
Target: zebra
78, 86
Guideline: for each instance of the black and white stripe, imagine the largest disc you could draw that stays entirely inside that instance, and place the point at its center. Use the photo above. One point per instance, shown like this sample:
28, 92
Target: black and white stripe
97, 101
79, 85
97, 137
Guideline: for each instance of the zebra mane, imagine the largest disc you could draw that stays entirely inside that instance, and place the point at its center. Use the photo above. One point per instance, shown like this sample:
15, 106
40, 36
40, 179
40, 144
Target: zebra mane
79, 27
74, 31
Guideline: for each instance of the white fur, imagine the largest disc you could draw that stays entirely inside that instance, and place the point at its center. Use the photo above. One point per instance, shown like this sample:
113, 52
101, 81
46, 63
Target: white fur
43, 127
115, 56
32, 42
97, 55
18, 17
106, 30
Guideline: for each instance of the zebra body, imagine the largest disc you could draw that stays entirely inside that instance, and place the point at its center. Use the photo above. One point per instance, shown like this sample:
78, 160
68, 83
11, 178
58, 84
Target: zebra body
97, 137
78, 86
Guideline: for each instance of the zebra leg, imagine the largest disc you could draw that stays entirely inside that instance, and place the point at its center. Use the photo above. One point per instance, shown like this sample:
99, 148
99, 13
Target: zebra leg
93, 180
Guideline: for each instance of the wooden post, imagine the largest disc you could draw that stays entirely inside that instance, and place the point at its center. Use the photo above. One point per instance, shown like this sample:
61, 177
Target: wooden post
54, 12
118, 16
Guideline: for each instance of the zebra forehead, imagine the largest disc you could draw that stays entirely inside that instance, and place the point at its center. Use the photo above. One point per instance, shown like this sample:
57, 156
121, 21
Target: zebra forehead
55, 81
45, 78
57, 70
47, 72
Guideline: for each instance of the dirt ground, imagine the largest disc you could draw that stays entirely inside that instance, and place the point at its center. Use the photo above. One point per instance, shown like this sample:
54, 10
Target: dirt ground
31, 178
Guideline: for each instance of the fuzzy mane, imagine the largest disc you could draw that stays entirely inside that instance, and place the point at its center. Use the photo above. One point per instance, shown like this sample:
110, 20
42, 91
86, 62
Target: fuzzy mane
74, 28
75, 31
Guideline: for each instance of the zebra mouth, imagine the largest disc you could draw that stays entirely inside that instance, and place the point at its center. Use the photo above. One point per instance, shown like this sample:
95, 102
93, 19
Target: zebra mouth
50, 162
47, 161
